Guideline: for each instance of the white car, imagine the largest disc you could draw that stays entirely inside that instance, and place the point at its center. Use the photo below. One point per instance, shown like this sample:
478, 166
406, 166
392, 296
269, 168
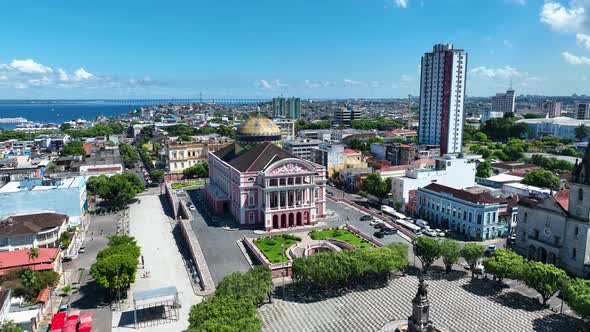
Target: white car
440, 233
375, 222
430, 232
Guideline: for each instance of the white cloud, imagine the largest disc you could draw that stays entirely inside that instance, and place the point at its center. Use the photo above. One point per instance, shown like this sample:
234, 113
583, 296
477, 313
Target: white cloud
575, 60
80, 74
563, 19
271, 85
29, 66
349, 82
63, 76
583, 40
316, 84
401, 3
502, 72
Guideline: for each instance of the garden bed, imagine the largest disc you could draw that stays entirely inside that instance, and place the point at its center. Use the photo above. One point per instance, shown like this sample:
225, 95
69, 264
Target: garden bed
342, 235
178, 185
271, 247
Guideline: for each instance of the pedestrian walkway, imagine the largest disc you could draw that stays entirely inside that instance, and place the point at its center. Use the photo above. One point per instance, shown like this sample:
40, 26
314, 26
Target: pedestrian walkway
152, 229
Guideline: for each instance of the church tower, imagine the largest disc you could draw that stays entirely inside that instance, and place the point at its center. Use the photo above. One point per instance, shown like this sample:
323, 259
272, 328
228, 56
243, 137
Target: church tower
579, 203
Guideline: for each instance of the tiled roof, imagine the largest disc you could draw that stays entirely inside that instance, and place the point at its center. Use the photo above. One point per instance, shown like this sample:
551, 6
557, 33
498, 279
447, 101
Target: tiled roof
30, 223
563, 198
20, 259
351, 151
255, 159
484, 198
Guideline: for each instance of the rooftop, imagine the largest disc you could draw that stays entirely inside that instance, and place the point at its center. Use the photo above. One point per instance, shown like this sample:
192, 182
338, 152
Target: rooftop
481, 198
253, 160
560, 120
35, 185
20, 258
30, 223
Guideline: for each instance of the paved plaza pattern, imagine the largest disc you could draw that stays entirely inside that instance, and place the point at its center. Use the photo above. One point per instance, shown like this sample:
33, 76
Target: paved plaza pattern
459, 305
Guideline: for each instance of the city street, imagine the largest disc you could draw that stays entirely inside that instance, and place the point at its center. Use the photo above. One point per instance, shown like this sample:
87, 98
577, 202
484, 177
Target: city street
89, 295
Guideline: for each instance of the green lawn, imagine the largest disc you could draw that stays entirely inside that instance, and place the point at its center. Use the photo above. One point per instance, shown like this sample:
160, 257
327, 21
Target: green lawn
271, 247
342, 235
187, 184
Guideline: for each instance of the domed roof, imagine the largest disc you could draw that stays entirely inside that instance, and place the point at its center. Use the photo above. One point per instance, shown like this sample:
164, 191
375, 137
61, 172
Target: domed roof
259, 125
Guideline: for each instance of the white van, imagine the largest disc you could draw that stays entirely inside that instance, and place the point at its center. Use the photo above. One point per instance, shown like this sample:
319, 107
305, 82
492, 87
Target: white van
422, 223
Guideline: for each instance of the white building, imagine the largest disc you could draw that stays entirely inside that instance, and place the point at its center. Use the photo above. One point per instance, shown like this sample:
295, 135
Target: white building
504, 102
489, 114
525, 190
301, 147
561, 126
449, 171
442, 90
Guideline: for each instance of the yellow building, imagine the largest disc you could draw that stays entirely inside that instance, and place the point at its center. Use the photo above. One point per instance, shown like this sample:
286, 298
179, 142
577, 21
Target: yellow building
354, 159
181, 155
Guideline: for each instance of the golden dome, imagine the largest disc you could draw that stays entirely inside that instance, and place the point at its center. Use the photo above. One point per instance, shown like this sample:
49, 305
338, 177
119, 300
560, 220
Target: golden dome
259, 126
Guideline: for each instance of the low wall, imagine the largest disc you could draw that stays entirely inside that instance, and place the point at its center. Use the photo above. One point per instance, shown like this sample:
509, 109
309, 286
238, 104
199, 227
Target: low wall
341, 244
206, 281
172, 199
366, 237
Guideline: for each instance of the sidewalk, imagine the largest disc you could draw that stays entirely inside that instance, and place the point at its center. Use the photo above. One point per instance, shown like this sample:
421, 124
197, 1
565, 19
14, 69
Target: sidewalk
152, 229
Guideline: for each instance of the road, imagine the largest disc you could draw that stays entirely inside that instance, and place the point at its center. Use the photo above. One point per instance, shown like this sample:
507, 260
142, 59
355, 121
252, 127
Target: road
90, 296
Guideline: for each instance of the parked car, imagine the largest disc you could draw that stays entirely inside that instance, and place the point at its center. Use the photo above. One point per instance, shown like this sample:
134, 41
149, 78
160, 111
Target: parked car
330, 193
192, 208
429, 232
82, 250
381, 225
366, 217
388, 230
63, 308
379, 234
375, 222
491, 248
66, 259
440, 233
512, 240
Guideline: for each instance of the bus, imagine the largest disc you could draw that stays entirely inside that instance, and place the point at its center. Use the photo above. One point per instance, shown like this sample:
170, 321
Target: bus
408, 225
390, 212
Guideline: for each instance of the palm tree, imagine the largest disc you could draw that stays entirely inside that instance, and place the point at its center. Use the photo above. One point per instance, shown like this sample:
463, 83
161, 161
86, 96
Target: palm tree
581, 132
33, 254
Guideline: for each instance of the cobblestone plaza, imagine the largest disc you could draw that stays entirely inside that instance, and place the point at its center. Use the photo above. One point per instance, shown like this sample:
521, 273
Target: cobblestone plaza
460, 305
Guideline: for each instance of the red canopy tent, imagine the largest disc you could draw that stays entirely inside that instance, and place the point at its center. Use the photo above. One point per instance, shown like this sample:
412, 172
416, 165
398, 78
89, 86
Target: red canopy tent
57, 322
72, 321
86, 317
85, 327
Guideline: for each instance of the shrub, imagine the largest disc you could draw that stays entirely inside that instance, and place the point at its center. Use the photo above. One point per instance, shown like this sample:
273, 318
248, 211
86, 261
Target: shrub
291, 237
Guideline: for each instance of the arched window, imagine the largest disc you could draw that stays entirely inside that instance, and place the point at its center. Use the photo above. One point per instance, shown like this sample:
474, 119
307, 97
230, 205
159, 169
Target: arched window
580, 194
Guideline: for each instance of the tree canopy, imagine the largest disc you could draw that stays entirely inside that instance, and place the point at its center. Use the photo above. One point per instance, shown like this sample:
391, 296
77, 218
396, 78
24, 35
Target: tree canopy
340, 269
504, 264
233, 306
129, 155
484, 169
116, 190
546, 279
376, 186
577, 294
427, 250
73, 148
472, 253
541, 178
116, 265
200, 170
450, 252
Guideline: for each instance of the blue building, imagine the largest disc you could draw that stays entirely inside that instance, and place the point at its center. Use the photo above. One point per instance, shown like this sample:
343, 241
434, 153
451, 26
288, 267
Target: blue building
472, 216
66, 196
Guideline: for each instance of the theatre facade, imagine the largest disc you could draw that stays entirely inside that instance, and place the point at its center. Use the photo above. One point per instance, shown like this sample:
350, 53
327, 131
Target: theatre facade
262, 185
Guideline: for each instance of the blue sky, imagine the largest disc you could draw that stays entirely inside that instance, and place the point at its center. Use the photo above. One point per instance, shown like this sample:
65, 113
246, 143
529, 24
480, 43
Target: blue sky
308, 48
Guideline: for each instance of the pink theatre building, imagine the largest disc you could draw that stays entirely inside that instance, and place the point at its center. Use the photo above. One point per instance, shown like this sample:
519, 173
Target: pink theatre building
261, 184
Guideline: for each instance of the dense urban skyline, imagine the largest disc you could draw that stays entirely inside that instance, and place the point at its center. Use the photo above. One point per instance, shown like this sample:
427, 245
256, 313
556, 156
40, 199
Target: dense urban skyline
330, 49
